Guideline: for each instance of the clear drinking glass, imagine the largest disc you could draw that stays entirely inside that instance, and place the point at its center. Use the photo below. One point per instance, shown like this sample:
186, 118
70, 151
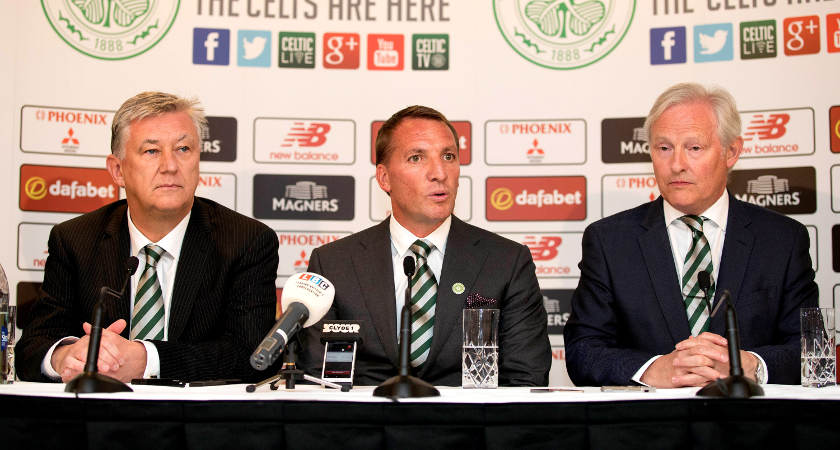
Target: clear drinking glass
818, 352
480, 363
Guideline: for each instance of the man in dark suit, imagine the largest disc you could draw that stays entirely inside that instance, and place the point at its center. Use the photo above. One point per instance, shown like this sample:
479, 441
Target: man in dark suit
638, 313
203, 295
418, 166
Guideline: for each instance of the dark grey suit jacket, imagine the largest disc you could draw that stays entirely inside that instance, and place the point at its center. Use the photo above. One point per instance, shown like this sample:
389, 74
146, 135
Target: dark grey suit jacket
223, 300
360, 267
628, 306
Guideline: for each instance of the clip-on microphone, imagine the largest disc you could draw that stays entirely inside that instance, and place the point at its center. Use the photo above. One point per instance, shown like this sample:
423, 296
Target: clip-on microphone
90, 380
736, 385
405, 385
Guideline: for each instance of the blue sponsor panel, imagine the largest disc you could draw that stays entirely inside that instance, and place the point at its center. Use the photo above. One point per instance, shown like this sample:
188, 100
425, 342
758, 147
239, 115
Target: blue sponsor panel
667, 45
211, 46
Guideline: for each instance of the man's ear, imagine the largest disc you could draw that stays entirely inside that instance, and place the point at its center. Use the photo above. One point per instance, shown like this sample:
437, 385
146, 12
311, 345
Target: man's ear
383, 179
114, 166
733, 152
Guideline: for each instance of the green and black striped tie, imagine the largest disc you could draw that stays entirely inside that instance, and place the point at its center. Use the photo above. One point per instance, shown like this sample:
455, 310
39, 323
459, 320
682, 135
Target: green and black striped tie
147, 317
698, 259
423, 299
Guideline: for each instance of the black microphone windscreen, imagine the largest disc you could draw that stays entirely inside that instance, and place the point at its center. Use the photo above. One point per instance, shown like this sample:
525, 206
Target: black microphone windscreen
704, 279
131, 265
408, 266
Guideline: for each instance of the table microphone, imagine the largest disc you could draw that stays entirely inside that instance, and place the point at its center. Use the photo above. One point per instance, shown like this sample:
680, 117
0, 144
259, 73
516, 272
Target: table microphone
736, 385
404, 385
90, 380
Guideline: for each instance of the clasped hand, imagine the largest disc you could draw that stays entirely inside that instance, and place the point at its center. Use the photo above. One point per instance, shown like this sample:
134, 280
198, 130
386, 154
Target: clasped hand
695, 361
118, 357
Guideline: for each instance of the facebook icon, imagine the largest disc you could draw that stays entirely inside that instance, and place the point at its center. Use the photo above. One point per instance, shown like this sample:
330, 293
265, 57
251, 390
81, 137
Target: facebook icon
667, 45
211, 46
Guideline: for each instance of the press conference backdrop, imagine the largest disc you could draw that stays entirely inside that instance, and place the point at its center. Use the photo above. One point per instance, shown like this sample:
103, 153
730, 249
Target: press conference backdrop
548, 99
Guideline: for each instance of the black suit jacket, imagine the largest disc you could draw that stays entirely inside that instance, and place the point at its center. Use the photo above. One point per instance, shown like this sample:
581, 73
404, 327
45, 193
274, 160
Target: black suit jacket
628, 306
223, 299
360, 268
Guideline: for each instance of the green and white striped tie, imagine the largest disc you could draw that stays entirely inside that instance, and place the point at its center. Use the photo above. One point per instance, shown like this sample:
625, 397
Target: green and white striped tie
423, 299
698, 259
147, 317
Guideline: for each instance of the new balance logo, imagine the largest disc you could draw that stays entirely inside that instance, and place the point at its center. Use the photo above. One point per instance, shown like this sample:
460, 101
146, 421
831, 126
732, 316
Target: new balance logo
773, 127
312, 135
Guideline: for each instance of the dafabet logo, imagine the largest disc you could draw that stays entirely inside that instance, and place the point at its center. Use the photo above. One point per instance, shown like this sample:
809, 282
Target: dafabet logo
65, 189
536, 198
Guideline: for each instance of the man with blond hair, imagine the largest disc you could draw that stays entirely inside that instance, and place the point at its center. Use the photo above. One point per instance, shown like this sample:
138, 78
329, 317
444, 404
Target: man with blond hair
639, 313
203, 295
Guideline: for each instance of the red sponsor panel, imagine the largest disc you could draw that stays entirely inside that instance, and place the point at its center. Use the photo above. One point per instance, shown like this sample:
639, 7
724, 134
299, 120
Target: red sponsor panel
462, 127
65, 189
801, 35
341, 50
834, 128
832, 33
536, 198
385, 52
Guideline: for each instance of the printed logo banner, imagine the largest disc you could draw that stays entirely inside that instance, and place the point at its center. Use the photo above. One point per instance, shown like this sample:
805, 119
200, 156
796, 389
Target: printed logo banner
536, 198
65, 189
32, 245
304, 197
219, 187
784, 132
622, 192
788, 190
306, 141
547, 142
555, 255
65, 131
296, 248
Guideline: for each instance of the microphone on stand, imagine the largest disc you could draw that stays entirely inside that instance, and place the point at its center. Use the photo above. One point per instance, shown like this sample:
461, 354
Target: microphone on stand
736, 385
90, 380
704, 280
404, 385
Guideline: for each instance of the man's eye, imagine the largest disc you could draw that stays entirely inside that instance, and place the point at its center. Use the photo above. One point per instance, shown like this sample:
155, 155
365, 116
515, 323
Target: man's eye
449, 157
151, 151
696, 148
183, 148
414, 158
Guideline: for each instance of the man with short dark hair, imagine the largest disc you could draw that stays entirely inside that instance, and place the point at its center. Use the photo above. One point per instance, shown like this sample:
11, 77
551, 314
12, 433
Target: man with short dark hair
459, 265
639, 313
203, 295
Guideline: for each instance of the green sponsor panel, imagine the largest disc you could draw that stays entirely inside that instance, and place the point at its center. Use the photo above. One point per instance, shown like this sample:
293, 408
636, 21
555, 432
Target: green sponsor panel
430, 52
758, 39
297, 50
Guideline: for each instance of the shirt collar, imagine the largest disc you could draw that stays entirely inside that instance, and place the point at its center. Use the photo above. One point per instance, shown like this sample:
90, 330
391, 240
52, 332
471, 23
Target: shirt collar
717, 213
402, 239
171, 243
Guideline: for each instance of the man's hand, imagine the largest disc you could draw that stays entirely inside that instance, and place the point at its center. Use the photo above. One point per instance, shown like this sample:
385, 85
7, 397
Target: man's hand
118, 358
694, 362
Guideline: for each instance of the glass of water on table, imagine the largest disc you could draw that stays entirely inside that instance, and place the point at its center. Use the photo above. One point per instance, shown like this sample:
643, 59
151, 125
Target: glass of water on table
480, 363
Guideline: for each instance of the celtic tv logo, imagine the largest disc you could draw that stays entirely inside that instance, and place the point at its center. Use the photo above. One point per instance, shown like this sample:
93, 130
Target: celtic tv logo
111, 29
563, 34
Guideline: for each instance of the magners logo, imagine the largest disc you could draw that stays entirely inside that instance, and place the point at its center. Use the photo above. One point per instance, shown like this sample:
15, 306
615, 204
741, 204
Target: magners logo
563, 34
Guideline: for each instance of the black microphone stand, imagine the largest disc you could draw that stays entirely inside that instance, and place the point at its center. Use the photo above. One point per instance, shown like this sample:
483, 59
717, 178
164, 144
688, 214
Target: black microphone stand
291, 374
736, 385
90, 380
405, 385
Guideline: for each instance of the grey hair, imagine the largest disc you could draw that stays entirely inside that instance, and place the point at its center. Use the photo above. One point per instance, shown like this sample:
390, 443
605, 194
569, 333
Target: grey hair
150, 104
721, 101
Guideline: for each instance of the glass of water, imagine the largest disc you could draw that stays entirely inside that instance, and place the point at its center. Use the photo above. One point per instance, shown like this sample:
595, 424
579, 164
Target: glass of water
818, 354
480, 363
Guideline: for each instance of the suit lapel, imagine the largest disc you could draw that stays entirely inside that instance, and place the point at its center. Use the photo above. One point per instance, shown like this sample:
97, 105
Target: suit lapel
659, 259
461, 264
114, 249
193, 269
375, 272
737, 246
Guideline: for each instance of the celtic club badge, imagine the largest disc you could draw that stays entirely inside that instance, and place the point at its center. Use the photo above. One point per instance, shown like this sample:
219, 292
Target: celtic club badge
111, 29
563, 34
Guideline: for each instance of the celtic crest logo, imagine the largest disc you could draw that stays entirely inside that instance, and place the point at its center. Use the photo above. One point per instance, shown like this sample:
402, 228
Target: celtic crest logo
563, 34
111, 29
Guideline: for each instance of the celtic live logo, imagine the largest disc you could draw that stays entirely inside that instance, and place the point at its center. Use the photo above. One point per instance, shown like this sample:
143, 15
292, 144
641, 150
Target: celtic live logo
111, 29
563, 34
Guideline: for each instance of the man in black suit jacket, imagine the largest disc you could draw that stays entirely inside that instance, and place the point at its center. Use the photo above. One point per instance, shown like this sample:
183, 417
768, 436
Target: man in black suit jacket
629, 320
418, 166
216, 272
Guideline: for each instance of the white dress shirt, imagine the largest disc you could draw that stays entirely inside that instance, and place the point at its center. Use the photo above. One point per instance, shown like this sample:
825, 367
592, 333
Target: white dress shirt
714, 228
166, 268
401, 240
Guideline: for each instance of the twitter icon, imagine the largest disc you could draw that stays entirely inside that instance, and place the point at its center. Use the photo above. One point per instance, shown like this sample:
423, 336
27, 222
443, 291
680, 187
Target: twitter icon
253, 48
713, 42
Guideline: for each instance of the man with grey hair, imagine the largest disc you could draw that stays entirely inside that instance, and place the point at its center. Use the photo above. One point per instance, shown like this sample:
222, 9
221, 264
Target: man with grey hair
640, 314
203, 295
